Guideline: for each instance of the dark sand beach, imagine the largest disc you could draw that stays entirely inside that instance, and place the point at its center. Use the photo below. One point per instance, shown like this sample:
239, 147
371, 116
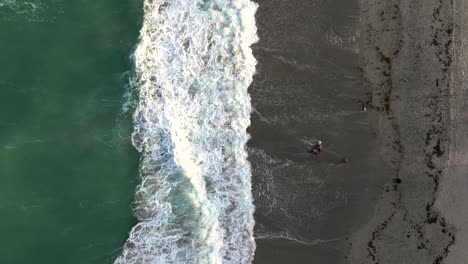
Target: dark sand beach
400, 197
308, 86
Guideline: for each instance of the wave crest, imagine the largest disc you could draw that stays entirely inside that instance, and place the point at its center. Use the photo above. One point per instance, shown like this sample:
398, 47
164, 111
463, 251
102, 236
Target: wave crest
193, 65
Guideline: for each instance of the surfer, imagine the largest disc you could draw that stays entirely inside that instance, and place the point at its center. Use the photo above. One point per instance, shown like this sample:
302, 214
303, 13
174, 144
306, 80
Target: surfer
316, 148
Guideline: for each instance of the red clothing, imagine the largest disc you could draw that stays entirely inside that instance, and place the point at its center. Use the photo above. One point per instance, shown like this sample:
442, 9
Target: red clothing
316, 149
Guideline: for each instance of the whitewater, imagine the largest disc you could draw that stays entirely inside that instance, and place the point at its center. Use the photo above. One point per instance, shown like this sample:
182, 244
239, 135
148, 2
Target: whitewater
193, 66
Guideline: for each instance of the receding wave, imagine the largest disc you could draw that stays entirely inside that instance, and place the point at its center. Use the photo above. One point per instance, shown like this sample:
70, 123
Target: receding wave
193, 67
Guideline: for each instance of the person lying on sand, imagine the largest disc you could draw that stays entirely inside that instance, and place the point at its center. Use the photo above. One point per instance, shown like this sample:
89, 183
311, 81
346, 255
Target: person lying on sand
316, 148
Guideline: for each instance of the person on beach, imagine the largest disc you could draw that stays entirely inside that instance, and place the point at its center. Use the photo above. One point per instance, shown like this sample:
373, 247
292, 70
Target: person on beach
317, 148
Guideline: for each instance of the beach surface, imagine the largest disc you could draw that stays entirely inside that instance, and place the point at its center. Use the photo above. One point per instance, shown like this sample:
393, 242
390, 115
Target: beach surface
413, 63
308, 87
400, 197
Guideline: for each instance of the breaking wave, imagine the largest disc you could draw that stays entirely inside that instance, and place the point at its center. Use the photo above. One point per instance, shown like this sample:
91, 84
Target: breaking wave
193, 67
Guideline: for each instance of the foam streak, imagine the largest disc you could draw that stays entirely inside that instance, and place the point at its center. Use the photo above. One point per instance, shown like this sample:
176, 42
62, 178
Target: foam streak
193, 65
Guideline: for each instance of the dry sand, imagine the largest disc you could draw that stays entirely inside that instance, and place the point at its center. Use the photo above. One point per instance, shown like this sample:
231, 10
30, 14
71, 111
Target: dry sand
453, 196
414, 61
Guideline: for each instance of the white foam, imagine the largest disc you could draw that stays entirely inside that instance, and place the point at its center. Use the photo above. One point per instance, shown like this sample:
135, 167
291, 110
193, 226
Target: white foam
347, 40
193, 65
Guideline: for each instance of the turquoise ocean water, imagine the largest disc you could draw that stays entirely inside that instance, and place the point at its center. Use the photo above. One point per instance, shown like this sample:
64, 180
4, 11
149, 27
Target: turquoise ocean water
67, 168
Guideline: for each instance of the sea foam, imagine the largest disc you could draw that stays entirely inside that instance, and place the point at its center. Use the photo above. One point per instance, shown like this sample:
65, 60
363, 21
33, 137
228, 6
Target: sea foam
193, 67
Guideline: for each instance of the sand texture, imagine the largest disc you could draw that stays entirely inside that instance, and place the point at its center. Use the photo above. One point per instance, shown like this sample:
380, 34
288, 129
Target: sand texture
308, 86
452, 195
413, 59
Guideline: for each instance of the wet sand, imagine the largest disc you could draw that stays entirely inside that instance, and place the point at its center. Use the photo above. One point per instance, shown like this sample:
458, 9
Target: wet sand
400, 198
285, 251
308, 86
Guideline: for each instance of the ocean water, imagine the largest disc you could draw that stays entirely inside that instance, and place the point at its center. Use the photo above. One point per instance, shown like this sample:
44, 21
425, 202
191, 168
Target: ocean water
68, 170
71, 75
193, 66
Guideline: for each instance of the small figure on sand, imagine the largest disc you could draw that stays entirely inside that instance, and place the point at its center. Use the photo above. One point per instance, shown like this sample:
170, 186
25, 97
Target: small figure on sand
316, 148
